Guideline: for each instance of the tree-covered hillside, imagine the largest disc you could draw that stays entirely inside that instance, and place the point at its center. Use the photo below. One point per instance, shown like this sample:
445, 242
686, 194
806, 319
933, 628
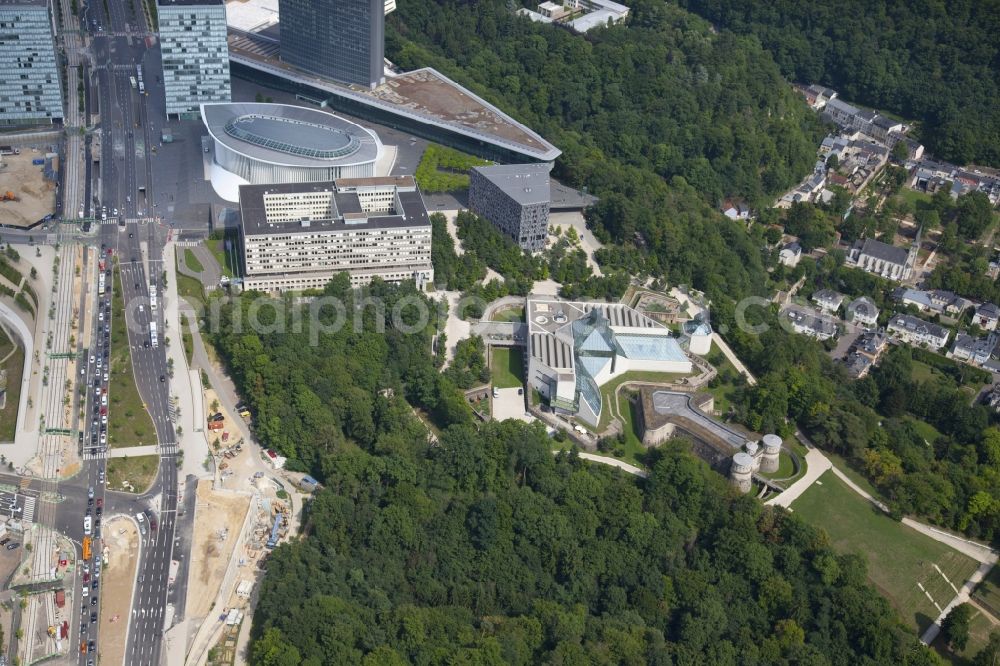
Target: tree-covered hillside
483, 548
937, 62
661, 119
489, 550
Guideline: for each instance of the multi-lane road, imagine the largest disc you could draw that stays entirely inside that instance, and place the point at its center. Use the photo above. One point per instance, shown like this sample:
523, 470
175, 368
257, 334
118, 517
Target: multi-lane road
126, 119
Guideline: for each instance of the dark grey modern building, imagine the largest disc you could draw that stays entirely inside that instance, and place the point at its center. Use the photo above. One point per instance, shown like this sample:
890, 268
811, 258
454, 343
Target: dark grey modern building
516, 199
30, 89
195, 54
343, 40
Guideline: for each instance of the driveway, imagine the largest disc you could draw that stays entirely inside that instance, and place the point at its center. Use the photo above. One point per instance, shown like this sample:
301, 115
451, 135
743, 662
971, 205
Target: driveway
509, 405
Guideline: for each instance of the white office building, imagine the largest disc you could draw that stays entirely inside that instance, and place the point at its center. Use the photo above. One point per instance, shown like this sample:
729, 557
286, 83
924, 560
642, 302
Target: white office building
297, 236
30, 88
195, 54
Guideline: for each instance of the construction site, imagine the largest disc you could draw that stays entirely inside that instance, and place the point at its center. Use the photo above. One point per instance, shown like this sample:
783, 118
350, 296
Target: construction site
27, 186
234, 532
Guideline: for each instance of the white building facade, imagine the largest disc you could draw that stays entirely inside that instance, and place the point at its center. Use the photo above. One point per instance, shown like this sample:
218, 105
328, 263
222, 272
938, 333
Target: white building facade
297, 237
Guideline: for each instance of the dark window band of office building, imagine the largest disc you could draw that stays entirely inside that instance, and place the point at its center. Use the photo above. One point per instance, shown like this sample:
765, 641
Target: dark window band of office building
341, 39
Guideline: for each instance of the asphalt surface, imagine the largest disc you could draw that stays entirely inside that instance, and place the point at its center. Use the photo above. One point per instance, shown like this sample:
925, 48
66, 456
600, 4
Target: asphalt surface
121, 184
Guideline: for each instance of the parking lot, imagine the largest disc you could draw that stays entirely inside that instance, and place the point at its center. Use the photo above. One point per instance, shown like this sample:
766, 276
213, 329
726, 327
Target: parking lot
507, 404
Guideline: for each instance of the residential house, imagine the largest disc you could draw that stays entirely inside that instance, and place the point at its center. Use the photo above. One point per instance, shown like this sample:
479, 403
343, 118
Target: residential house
976, 351
818, 96
828, 300
993, 397
987, 316
940, 301
862, 311
858, 365
871, 343
889, 261
790, 255
736, 209
810, 323
918, 332
881, 128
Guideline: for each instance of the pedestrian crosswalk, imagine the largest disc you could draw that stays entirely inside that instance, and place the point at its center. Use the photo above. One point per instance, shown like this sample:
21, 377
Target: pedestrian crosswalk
95, 455
28, 516
169, 449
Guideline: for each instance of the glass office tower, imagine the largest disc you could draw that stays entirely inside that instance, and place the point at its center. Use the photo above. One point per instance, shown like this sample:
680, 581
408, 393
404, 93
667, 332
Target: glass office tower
343, 40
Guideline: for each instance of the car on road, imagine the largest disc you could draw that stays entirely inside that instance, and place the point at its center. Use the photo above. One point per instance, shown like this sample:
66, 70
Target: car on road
86, 577
86, 591
90, 492
93, 585
162, 379
12, 546
100, 502
93, 617
93, 600
4, 541
91, 646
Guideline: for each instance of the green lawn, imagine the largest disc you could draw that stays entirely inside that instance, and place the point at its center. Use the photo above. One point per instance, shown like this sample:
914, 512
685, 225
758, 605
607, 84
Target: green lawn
924, 429
192, 261
8, 415
979, 635
138, 472
129, 424
785, 468
443, 169
608, 390
187, 339
987, 593
515, 313
914, 197
226, 259
898, 557
508, 367
191, 290
632, 448
725, 391
924, 373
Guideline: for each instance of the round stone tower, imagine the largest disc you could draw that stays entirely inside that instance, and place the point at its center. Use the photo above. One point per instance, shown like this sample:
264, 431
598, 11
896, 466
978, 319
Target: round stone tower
741, 471
772, 450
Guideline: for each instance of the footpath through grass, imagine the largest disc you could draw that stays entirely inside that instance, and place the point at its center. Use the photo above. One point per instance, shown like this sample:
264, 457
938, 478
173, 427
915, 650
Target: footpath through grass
129, 424
900, 560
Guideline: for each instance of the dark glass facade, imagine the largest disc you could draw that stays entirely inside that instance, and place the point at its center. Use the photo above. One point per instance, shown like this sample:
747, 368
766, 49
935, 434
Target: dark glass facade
343, 40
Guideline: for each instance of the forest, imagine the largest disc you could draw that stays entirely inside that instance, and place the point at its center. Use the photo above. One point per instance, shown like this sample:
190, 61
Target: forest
934, 62
661, 120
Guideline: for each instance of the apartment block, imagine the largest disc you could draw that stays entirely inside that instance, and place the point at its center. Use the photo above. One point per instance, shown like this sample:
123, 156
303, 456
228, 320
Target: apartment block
297, 236
30, 84
195, 54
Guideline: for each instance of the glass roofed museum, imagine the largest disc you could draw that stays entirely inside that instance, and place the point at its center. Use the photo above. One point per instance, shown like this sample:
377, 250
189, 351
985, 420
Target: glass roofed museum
260, 144
577, 347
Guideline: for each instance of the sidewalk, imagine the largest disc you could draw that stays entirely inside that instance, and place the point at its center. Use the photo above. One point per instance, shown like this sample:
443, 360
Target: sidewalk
129, 451
185, 386
737, 363
816, 465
